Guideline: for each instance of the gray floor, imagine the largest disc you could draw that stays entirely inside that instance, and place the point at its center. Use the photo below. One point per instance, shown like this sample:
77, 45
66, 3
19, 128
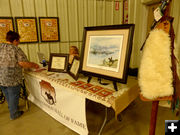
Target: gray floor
135, 121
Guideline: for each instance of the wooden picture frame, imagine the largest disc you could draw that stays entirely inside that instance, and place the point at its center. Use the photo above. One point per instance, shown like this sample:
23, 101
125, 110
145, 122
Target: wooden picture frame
58, 62
49, 29
27, 29
74, 68
106, 51
6, 24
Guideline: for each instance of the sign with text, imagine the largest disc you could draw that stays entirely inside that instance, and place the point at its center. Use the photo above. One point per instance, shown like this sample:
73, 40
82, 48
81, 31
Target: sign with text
58, 102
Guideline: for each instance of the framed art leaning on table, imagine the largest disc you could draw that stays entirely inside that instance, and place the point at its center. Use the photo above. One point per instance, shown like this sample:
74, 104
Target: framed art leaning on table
58, 62
106, 51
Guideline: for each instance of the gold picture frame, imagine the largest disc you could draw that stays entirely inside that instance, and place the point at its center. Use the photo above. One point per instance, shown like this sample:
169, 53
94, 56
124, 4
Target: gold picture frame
49, 29
27, 29
6, 24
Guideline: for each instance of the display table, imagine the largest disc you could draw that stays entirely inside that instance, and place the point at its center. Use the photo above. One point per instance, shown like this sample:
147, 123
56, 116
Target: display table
64, 98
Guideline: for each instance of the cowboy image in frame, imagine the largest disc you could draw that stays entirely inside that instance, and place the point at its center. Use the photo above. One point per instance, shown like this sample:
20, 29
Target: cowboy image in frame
106, 51
6, 24
49, 29
27, 29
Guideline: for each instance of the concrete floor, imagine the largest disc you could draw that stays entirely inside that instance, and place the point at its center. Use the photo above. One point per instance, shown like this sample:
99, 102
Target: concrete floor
135, 121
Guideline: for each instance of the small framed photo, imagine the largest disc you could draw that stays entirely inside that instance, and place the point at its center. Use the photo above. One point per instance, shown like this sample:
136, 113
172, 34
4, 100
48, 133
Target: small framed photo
49, 29
106, 51
27, 29
74, 69
6, 24
58, 62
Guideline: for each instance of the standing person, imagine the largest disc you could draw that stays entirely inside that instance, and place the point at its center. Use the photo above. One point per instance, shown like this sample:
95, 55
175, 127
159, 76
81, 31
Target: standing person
12, 60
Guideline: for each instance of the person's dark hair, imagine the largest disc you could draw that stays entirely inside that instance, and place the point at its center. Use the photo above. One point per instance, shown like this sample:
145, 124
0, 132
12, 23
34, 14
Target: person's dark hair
11, 36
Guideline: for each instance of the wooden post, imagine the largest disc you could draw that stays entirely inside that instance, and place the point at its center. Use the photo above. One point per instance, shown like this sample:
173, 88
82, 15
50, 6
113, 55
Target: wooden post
154, 112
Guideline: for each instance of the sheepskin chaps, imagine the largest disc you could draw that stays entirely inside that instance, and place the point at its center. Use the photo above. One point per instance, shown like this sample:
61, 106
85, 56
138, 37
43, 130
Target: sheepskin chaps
155, 74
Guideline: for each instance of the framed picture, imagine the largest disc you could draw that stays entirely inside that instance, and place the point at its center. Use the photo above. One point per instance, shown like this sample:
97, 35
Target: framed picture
74, 69
58, 62
49, 29
27, 29
106, 51
6, 24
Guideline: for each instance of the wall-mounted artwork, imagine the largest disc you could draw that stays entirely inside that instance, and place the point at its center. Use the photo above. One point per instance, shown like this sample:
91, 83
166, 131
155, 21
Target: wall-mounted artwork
106, 51
27, 29
49, 29
6, 24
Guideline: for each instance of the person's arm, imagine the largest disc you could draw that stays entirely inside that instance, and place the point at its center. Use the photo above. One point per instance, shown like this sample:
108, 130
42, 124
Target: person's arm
28, 65
23, 61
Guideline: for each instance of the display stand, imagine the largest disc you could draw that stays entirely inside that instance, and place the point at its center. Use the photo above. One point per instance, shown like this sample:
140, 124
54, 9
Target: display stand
99, 80
154, 111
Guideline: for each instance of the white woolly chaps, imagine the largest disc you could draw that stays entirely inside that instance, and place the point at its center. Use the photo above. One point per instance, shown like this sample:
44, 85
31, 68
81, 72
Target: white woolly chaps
155, 74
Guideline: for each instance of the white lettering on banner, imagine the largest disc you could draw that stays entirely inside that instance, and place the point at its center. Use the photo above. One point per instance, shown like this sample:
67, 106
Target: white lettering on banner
67, 118
68, 109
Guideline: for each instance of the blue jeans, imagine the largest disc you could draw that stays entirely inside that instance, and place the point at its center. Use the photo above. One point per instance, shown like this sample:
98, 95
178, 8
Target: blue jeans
12, 98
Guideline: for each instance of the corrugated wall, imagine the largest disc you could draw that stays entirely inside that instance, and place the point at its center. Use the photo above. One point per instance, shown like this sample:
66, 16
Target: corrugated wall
74, 15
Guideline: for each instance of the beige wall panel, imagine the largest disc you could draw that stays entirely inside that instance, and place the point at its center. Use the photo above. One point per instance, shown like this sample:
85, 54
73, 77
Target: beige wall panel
18, 12
5, 8
64, 29
63, 19
118, 14
109, 12
52, 11
131, 11
73, 20
29, 11
41, 11
100, 11
64, 47
85, 12
91, 13
80, 19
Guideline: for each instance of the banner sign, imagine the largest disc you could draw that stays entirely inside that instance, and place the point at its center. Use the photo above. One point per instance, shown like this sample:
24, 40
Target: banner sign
64, 106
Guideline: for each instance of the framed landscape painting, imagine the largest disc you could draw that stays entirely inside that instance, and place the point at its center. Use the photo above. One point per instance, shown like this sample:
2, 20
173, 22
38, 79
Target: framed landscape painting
27, 29
106, 51
6, 24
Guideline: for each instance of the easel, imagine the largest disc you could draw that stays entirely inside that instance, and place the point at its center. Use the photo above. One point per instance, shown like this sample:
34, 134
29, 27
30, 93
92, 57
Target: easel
155, 102
99, 80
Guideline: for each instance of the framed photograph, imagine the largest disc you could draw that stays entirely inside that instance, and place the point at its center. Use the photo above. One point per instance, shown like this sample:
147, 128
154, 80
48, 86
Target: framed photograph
74, 69
27, 29
49, 29
58, 62
6, 24
106, 51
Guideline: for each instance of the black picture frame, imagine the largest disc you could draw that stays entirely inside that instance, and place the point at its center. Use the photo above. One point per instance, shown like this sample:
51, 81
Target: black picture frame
49, 29
58, 62
27, 29
74, 68
106, 51
6, 24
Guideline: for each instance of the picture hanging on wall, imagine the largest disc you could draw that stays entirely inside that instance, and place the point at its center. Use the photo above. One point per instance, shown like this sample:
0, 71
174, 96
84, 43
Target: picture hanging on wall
49, 29
58, 62
106, 51
6, 24
27, 29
